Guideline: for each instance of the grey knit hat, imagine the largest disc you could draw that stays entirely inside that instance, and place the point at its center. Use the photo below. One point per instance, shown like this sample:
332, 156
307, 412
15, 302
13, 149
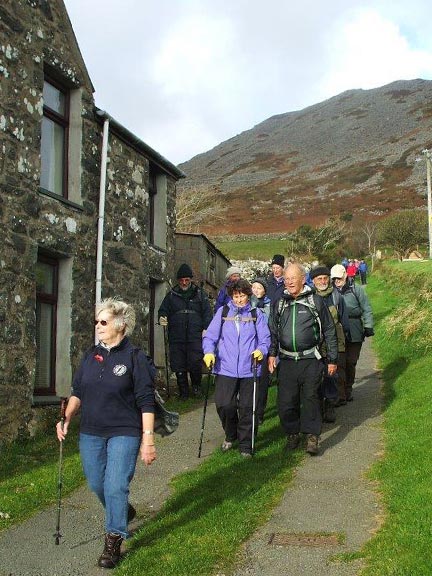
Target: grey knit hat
233, 270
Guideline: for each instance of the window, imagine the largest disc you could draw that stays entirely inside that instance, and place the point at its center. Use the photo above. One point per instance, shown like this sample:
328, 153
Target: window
54, 139
211, 266
46, 313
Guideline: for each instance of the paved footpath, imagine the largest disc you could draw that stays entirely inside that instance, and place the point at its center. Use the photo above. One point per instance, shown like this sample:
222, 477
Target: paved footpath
330, 495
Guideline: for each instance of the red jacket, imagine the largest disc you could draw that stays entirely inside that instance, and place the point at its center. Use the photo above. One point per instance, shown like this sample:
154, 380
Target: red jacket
351, 270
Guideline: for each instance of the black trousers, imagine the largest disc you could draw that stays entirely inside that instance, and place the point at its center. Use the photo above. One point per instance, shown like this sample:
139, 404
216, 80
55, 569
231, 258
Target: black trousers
186, 356
298, 395
353, 350
234, 405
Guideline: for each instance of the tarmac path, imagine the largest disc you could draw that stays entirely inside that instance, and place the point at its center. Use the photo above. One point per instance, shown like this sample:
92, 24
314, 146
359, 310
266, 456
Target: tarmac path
330, 497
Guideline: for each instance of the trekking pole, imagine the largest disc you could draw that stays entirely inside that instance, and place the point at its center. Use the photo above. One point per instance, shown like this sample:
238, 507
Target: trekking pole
57, 534
167, 374
255, 377
204, 410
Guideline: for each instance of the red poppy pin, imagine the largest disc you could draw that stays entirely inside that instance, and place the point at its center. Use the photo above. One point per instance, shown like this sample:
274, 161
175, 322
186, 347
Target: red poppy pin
98, 357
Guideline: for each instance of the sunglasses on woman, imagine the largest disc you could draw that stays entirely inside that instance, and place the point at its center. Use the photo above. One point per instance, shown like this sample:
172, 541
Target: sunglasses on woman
103, 322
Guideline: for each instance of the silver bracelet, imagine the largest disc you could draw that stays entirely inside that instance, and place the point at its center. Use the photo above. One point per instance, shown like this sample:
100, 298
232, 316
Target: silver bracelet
149, 432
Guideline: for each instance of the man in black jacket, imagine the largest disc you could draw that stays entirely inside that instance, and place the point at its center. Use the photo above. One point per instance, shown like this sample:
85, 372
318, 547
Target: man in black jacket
187, 313
298, 323
275, 282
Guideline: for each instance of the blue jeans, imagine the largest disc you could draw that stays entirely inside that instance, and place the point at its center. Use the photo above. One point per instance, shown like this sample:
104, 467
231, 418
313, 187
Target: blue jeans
109, 466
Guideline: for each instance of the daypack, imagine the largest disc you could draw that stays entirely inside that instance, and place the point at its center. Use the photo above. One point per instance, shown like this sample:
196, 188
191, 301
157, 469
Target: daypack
309, 303
166, 422
224, 316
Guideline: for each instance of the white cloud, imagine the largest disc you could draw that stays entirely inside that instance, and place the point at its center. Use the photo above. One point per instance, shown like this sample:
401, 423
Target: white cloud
192, 55
368, 51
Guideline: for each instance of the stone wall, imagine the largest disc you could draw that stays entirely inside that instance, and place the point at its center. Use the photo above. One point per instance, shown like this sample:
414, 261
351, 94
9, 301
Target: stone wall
34, 35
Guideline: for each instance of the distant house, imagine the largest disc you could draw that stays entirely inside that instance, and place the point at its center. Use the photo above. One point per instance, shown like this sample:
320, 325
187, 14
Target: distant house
87, 210
207, 262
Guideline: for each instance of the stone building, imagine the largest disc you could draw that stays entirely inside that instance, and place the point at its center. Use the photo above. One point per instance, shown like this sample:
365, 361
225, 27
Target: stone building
207, 262
87, 210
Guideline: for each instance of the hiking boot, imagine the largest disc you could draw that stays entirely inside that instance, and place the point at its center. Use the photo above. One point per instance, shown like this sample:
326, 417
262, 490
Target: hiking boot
111, 554
293, 440
131, 513
329, 411
312, 444
226, 446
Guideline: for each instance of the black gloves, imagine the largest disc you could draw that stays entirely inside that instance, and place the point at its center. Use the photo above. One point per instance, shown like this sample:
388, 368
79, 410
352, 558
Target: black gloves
368, 332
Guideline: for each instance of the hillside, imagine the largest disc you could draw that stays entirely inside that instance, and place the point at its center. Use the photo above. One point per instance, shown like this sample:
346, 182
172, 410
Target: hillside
351, 154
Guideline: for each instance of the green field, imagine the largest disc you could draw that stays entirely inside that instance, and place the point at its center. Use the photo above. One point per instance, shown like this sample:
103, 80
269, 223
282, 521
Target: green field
256, 249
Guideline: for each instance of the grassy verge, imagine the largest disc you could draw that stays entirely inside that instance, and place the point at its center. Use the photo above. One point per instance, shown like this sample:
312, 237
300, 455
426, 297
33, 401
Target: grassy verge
29, 474
401, 299
214, 509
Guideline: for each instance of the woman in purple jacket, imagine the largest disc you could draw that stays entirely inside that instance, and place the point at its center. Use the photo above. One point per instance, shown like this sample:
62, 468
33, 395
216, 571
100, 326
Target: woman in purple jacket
231, 345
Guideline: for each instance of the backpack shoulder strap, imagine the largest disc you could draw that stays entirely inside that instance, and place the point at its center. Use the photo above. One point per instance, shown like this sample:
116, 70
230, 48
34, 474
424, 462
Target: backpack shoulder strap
336, 298
311, 304
353, 290
151, 364
254, 317
225, 310
281, 306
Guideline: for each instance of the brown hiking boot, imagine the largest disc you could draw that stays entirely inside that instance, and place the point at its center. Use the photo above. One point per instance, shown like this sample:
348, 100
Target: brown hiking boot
111, 554
293, 440
312, 444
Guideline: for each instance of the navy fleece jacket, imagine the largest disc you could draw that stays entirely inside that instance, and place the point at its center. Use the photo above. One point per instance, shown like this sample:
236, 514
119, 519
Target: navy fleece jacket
115, 387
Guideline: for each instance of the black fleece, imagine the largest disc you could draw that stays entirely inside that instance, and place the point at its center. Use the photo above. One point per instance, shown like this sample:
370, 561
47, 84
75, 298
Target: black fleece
115, 387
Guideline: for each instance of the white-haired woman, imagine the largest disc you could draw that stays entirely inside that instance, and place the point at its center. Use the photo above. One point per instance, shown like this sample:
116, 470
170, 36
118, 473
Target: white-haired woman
114, 390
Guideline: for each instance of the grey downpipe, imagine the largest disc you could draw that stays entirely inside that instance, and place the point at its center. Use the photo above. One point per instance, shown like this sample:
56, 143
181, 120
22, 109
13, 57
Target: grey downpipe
101, 214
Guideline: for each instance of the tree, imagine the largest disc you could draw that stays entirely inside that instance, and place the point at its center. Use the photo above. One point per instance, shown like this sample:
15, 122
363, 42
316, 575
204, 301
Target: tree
314, 243
404, 231
370, 230
196, 206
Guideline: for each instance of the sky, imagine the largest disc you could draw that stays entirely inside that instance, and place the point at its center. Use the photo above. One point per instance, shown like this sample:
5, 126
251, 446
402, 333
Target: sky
186, 75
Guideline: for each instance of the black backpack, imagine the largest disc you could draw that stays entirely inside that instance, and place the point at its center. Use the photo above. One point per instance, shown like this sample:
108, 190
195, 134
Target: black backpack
166, 422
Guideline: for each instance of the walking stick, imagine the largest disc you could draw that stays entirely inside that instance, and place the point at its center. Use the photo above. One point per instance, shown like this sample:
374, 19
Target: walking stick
167, 374
57, 534
204, 410
255, 371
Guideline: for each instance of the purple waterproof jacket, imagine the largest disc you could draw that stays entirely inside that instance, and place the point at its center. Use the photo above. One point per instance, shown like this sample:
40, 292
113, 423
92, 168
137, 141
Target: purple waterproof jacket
234, 343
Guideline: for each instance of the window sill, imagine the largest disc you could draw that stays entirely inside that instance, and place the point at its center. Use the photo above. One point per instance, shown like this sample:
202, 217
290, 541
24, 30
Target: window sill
65, 201
46, 400
157, 249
